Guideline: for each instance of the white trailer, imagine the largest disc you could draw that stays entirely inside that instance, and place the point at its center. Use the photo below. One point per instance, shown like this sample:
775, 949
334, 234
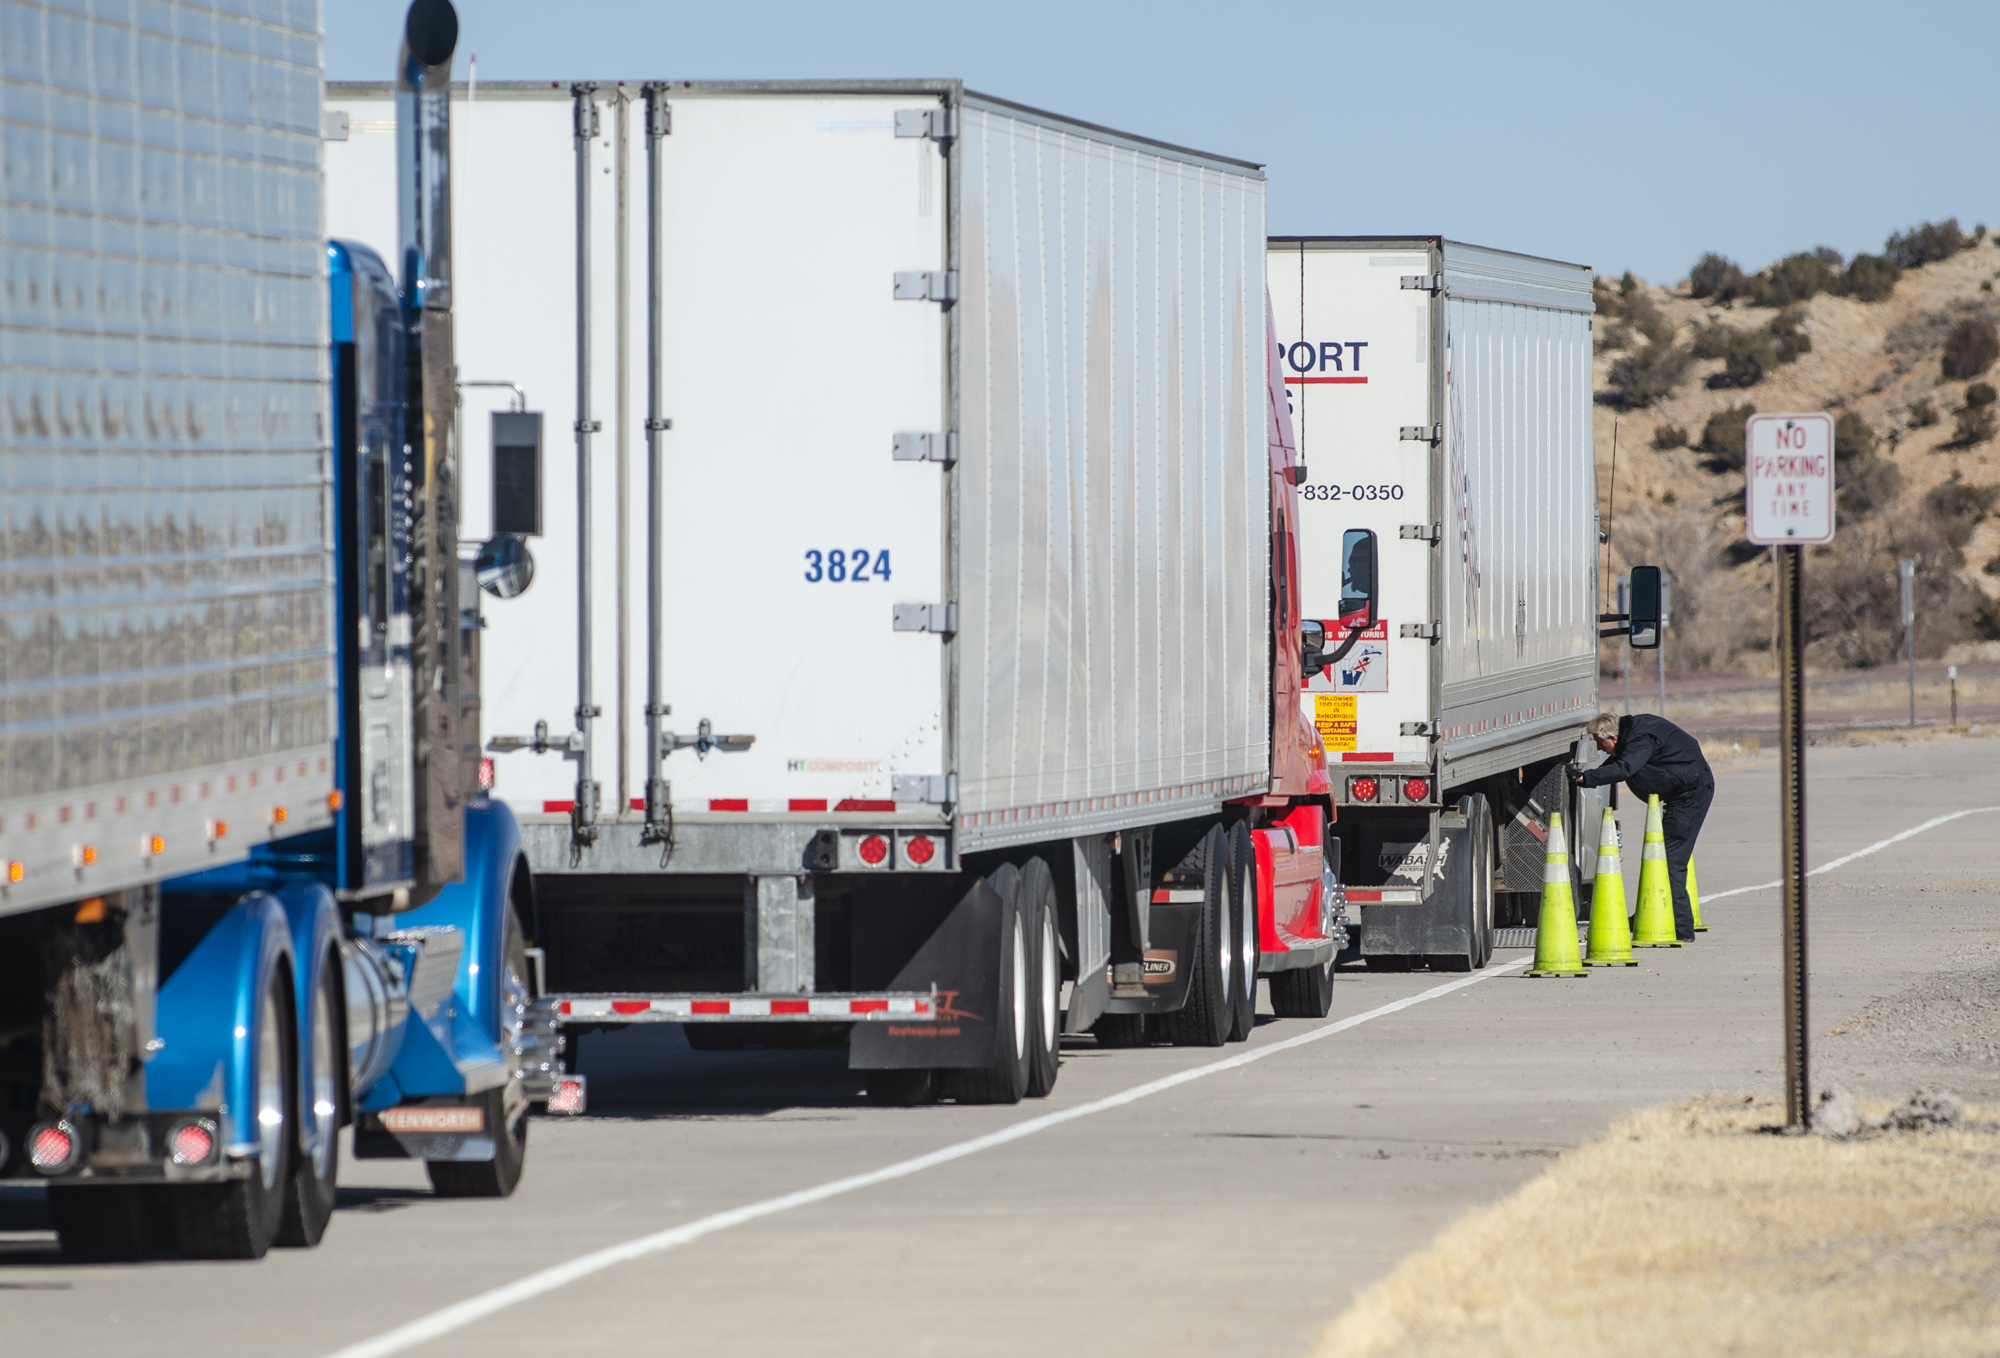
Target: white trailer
1442, 397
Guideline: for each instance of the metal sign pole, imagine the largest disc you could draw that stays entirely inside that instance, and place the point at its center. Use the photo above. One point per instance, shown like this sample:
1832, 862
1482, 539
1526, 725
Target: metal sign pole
1906, 570
1792, 760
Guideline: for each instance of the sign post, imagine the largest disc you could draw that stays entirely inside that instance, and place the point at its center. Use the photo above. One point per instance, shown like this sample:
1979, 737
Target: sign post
1788, 503
1906, 572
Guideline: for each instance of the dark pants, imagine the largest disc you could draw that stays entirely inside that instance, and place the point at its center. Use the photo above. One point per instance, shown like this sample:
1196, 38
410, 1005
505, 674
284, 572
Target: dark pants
1681, 816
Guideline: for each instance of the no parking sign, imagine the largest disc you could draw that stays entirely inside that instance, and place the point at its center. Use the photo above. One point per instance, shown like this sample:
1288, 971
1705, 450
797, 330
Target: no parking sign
1788, 479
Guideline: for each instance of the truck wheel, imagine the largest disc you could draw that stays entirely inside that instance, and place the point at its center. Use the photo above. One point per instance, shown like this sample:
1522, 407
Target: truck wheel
1006, 1080
241, 1218
309, 1204
506, 1107
112, 1224
1303, 992
1038, 904
1205, 1020
1479, 837
1120, 1030
1243, 919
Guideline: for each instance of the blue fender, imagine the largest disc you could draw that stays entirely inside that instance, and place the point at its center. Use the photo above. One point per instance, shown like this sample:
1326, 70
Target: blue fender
443, 1055
207, 1018
314, 921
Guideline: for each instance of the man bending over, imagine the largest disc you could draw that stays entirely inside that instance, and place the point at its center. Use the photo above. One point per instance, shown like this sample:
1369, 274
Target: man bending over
1652, 756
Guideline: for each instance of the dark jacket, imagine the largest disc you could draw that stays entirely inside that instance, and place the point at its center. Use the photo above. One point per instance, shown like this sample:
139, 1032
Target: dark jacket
1653, 756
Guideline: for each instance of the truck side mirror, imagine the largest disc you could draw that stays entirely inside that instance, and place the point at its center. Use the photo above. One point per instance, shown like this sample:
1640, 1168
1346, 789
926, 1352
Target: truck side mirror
517, 472
1357, 578
1312, 647
1645, 621
504, 566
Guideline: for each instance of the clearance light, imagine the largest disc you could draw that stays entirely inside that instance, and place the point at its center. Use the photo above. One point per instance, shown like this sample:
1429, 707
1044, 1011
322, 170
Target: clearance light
191, 1141
921, 850
16, 871
1363, 789
217, 829
156, 846
333, 800
1416, 789
874, 851
52, 1147
83, 855
486, 776
278, 814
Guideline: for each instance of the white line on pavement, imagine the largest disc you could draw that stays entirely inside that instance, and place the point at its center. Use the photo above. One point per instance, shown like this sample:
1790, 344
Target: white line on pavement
1878, 845
463, 1313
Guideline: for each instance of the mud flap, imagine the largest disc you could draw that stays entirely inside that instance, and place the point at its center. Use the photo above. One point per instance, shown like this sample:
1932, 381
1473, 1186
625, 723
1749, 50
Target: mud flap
962, 959
1166, 976
1437, 925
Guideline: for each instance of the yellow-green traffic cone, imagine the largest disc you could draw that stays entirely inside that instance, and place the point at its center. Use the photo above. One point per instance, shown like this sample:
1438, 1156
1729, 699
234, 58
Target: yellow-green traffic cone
1610, 930
1694, 898
1653, 925
1555, 928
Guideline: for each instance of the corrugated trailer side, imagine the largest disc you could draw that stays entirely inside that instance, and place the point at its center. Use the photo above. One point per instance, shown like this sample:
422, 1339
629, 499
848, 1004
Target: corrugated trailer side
166, 668
1113, 665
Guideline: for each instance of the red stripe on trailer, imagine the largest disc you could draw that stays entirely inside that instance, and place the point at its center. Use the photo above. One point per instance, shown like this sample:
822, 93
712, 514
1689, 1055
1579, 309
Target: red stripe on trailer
709, 1007
1351, 757
806, 804
791, 1007
558, 806
871, 1006
630, 1006
864, 804
1363, 897
729, 803
562, 1006
1331, 381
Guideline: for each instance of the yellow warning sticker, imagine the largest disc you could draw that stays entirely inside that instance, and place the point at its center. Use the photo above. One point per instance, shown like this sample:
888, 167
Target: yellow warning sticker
1333, 714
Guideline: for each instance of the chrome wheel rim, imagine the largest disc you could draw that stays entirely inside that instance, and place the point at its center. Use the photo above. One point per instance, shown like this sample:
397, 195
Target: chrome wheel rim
1020, 989
1051, 980
270, 1094
326, 1092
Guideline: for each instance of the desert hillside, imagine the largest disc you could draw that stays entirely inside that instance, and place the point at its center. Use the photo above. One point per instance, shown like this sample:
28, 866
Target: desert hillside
1901, 348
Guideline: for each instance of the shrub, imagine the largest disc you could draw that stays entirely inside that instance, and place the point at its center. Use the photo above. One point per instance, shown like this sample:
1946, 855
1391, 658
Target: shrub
1722, 436
1970, 348
1712, 340
1923, 414
1788, 330
1750, 354
1976, 424
1927, 243
1714, 276
1669, 436
1852, 438
1870, 278
1603, 296
1828, 256
1873, 483
1980, 394
1955, 507
1648, 375
1645, 316
1796, 278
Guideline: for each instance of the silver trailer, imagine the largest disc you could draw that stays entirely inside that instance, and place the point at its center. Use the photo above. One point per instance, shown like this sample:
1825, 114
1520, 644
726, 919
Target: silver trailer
1442, 396
918, 511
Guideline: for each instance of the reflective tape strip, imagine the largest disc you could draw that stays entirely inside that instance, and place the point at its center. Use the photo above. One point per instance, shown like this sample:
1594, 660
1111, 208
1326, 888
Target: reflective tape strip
672, 1008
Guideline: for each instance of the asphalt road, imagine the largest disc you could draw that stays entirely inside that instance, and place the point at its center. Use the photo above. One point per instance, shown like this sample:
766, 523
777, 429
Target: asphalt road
1233, 1212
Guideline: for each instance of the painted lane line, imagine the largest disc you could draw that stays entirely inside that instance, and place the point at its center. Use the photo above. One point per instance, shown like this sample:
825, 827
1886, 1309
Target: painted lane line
461, 1314
1876, 847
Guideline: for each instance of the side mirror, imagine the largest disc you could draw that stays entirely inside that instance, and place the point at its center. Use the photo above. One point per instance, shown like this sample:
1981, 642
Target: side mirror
1646, 617
517, 473
1357, 578
1312, 647
504, 567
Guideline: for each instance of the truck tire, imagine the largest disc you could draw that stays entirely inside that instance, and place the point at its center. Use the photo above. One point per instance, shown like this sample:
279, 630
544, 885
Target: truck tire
1243, 919
506, 1107
310, 1200
1480, 840
108, 1224
1038, 904
1006, 1080
1304, 992
1206, 1018
240, 1219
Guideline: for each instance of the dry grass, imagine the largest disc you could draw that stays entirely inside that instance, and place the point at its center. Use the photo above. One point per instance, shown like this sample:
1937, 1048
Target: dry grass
1689, 1230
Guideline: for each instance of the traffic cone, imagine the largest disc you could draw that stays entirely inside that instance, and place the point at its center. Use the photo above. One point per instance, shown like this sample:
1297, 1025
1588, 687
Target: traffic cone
1694, 898
1610, 930
1555, 929
1653, 925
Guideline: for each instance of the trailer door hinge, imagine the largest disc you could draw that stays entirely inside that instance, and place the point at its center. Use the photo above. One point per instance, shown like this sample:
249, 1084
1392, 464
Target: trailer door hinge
940, 448
1423, 433
939, 618
918, 286
1423, 282
938, 789
1421, 532
1423, 631
1420, 728
938, 124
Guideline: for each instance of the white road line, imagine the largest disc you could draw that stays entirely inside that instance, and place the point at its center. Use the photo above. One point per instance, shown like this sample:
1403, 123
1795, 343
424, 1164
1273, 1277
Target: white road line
463, 1313
1876, 847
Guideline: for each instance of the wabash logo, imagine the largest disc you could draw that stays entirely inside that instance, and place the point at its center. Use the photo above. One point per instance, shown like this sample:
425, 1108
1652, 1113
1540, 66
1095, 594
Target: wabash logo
1329, 361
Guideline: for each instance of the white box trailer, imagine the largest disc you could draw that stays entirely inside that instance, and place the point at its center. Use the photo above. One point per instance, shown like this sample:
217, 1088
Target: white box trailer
1442, 398
960, 420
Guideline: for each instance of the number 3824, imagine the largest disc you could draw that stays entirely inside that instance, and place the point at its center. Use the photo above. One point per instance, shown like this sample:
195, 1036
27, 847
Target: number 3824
840, 567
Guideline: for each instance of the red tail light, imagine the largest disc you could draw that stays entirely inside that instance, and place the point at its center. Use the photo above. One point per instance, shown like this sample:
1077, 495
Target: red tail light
1416, 789
874, 851
1363, 789
52, 1147
192, 1142
567, 1096
921, 849
486, 775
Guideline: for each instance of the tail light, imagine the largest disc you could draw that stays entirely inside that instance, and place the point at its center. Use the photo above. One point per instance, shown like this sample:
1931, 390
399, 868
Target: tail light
191, 1141
486, 775
1416, 789
567, 1095
1363, 789
874, 851
921, 849
52, 1147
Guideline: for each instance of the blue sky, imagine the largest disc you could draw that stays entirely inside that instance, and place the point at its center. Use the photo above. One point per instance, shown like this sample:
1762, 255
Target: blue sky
1621, 136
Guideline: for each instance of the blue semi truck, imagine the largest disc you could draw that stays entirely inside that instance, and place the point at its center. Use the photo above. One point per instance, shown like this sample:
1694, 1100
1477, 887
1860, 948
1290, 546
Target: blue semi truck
250, 889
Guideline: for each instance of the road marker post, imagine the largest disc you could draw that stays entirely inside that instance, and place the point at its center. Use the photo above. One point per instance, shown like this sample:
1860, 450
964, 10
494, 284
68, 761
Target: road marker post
1788, 502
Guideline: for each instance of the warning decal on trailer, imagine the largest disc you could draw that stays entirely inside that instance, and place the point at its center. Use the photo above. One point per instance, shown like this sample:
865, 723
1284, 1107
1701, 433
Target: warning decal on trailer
1333, 714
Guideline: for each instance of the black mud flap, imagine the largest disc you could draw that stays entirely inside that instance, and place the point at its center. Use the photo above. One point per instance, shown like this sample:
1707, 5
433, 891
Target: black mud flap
1167, 975
962, 959
1435, 926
